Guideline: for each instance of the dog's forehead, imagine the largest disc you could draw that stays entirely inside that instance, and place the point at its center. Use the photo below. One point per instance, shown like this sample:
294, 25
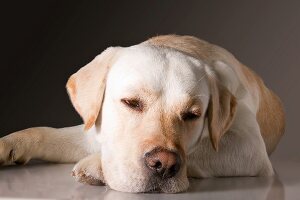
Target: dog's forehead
156, 70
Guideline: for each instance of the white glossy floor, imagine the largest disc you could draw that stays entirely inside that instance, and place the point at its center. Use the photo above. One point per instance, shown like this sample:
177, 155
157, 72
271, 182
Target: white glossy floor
55, 182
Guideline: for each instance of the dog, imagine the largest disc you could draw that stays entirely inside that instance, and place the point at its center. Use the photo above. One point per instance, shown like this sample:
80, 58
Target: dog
156, 113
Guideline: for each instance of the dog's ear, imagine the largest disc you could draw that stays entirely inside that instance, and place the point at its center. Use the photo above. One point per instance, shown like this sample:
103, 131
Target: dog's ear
221, 110
86, 87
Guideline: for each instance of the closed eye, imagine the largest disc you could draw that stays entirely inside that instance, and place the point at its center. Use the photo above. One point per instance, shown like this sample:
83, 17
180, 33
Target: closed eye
134, 104
189, 116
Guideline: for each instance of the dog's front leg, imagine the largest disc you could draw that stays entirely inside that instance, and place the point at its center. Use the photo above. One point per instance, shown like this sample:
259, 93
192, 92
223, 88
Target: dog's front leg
49, 144
89, 170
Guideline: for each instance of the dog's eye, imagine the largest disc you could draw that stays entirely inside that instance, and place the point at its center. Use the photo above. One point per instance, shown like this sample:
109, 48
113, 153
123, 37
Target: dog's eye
187, 116
134, 104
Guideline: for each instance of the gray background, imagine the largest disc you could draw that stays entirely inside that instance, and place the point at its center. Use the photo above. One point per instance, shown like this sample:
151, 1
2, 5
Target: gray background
44, 42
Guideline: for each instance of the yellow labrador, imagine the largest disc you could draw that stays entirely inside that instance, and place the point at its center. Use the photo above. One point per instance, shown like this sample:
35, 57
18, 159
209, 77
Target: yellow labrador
157, 113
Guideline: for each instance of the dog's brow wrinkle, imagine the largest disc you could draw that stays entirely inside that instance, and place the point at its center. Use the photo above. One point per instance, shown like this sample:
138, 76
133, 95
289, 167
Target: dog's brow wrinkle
201, 95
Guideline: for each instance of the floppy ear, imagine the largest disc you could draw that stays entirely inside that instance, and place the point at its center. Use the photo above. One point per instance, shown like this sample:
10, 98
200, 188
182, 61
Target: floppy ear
86, 87
221, 111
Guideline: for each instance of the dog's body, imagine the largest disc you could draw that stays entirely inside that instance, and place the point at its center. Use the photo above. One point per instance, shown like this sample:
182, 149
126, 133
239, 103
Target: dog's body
174, 107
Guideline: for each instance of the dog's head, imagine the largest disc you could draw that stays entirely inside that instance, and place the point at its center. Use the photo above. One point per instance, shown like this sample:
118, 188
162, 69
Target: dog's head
151, 104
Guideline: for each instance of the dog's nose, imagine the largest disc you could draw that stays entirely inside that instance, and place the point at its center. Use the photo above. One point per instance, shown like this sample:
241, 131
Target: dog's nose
163, 162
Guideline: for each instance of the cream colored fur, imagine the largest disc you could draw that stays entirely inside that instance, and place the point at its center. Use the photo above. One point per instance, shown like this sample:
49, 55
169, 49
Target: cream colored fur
171, 75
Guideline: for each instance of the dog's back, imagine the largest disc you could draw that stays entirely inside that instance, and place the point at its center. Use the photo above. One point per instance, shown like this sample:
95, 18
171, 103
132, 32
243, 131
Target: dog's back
270, 114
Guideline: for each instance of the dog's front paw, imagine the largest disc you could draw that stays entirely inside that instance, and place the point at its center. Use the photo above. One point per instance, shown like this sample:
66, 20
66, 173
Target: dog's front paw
11, 154
88, 170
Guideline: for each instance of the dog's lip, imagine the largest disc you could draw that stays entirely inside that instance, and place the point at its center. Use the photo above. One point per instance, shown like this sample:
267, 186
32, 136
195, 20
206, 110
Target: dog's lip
154, 190
156, 185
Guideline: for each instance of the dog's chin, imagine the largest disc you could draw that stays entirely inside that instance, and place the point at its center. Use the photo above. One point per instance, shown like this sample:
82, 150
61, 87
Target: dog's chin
153, 185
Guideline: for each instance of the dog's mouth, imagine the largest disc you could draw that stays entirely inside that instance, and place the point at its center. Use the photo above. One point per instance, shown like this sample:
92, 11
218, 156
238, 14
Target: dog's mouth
172, 185
154, 190
156, 184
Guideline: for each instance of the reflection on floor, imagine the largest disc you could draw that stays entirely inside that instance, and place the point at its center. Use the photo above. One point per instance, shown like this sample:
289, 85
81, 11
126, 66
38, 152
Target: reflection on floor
54, 181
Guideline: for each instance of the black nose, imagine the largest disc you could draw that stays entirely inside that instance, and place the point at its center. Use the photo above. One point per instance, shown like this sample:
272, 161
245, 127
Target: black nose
163, 162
